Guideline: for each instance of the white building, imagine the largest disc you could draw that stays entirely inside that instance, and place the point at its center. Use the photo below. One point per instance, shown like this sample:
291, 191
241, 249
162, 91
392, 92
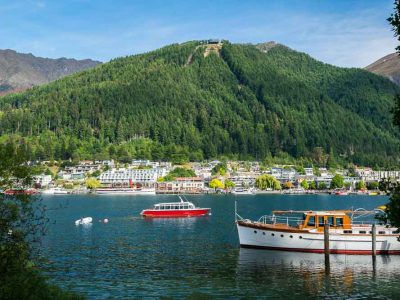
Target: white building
188, 185
42, 180
127, 177
369, 175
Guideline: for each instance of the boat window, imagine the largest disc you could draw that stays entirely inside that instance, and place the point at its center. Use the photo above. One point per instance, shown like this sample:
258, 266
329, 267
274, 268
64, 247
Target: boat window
330, 221
347, 231
291, 236
320, 221
311, 221
273, 234
362, 232
255, 231
263, 233
162, 207
381, 232
176, 207
281, 235
339, 222
300, 237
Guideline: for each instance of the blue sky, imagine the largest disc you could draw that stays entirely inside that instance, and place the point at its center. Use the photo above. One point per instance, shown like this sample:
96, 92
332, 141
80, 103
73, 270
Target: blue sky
341, 32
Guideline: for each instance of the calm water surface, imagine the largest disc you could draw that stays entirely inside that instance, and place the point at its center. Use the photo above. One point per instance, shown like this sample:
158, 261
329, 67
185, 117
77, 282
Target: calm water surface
131, 257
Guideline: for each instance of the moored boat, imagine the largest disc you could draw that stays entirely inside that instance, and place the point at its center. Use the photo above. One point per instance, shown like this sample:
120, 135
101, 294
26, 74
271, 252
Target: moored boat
306, 234
175, 210
243, 191
126, 191
55, 191
341, 193
20, 192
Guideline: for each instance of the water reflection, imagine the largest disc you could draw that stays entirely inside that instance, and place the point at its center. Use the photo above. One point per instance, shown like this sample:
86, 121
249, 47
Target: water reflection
310, 272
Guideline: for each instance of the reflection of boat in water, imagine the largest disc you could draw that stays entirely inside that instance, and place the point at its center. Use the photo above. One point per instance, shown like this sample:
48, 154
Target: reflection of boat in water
346, 236
243, 191
256, 257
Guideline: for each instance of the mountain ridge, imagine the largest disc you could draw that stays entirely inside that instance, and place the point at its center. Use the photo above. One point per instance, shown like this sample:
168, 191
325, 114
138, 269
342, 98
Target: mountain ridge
387, 66
20, 71
240, 102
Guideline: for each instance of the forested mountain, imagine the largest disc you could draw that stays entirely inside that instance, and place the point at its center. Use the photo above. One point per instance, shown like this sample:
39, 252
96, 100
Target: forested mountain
388, 66
20, 71
188, 101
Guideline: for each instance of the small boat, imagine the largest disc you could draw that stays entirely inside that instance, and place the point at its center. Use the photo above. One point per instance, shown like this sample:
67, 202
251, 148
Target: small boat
55, 191
243, 191
14, 192
175, 210
296, 191
373, 193
126, 191
83, 221
341, 193
306, 234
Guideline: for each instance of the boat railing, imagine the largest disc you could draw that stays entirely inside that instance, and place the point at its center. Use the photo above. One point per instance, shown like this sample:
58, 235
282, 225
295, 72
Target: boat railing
273, 219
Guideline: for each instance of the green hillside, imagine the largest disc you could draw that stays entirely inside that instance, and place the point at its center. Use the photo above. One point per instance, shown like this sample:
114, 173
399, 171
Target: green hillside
174, 103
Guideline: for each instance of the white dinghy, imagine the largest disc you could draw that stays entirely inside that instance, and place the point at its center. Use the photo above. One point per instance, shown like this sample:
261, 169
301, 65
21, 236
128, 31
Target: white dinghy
83, 221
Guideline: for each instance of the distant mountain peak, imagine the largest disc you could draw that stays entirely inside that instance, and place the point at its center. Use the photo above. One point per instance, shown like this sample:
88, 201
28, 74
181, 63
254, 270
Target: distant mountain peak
19, 71
387, 66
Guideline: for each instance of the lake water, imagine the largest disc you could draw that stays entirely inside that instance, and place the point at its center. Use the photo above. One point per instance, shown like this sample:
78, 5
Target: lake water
199, 258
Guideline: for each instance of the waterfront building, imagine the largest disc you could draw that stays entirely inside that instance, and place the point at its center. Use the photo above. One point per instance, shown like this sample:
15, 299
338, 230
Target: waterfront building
369, 175
128, 177
325, 179
185, 185
284, 175
309, 171
42, 180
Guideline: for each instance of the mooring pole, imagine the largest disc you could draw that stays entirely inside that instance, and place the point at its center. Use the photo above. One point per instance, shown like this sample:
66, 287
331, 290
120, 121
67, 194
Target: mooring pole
326, 247
373, 240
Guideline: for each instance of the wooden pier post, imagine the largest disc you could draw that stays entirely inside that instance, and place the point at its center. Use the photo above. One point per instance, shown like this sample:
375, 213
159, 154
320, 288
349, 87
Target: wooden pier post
373, 240
326, 238
326, 247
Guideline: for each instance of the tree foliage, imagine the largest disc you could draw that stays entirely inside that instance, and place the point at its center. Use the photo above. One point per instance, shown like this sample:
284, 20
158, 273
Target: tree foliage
304, 184
22, 224
244, 103
229, 184
179, 172
267, 181
337, 182
216, 184
92, 183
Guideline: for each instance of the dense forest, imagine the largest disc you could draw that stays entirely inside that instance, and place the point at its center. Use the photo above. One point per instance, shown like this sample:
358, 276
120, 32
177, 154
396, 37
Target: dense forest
177, 104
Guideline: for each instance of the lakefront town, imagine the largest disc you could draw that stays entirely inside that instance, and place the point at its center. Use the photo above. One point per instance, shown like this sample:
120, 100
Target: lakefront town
236, 177
199, 150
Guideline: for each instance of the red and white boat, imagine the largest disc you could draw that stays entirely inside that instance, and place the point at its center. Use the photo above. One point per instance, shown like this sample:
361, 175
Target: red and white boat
342, 193
175, 210
306, 234
14, 192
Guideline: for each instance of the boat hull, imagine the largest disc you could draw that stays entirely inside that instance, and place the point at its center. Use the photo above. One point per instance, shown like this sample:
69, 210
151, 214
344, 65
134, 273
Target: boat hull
150, 213
251, 237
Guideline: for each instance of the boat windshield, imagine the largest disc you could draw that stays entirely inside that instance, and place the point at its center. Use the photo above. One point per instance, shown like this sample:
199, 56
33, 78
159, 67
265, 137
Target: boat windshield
174, 206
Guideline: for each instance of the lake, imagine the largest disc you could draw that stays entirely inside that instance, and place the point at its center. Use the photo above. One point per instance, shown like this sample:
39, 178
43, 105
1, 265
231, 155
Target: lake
132, 257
